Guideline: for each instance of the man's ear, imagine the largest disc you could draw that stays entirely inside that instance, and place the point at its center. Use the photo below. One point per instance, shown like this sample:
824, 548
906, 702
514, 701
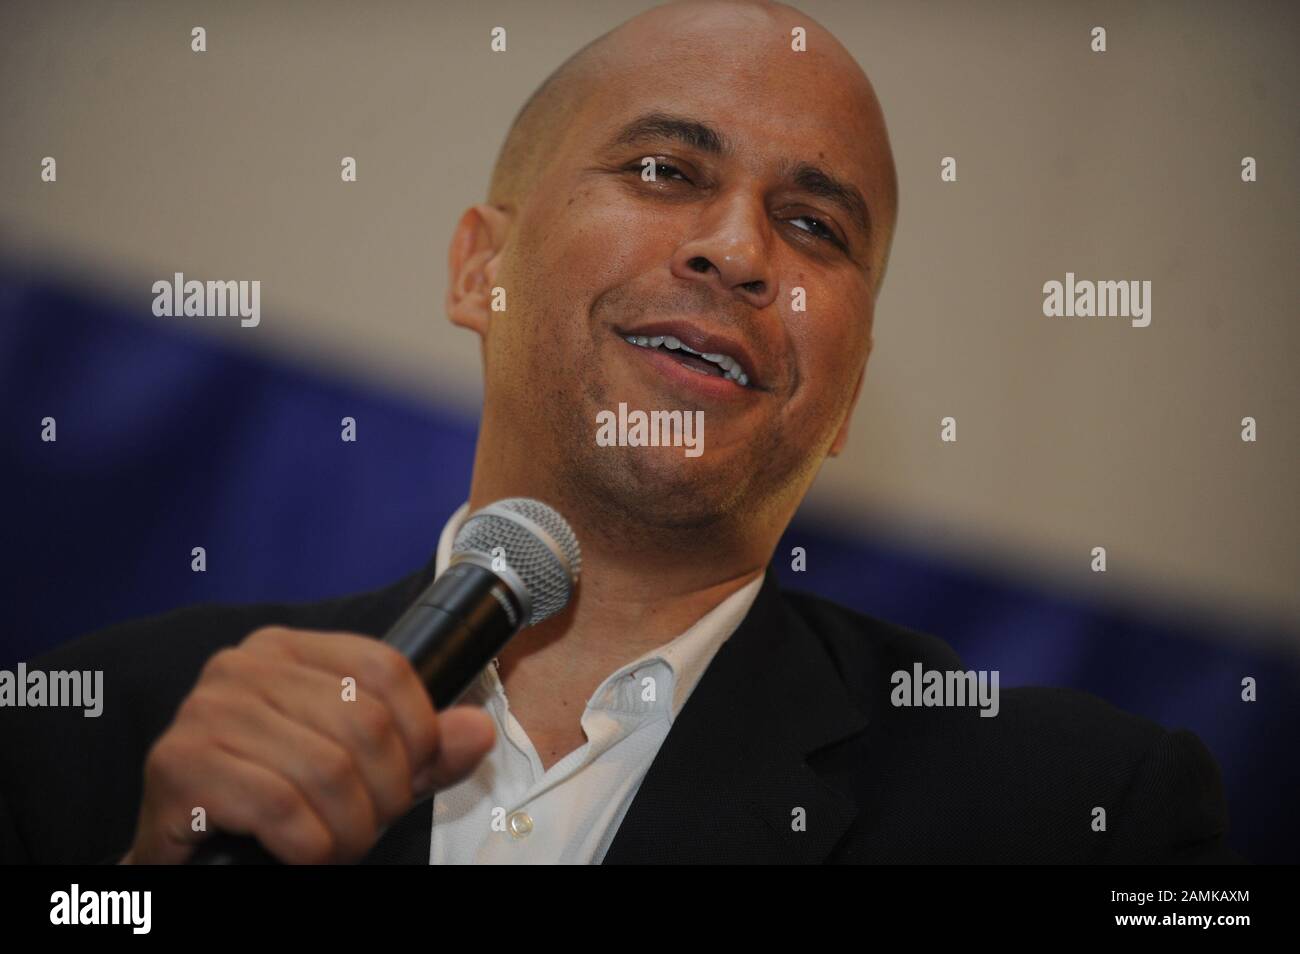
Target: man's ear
842, 436
472, 263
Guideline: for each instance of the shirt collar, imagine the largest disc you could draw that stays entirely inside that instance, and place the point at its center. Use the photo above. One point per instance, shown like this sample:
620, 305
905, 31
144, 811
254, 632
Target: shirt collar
687, 655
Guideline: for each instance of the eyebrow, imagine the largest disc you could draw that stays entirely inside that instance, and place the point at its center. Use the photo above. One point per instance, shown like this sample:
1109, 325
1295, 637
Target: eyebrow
711, 140
691, 132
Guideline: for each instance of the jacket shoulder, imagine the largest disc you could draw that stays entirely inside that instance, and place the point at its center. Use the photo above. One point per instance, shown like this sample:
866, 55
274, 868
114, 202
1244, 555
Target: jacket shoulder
70, 784
174, 644
852, 636
950, 785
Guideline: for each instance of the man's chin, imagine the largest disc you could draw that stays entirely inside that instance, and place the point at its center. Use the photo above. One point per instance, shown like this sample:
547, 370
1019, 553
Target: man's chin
658, 486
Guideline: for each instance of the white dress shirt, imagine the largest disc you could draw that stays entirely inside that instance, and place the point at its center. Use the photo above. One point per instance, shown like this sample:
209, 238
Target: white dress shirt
510, 811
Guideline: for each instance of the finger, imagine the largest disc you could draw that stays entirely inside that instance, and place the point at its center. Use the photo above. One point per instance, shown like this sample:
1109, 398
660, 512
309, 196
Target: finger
237, 796
380, 671
364, 727
335, 781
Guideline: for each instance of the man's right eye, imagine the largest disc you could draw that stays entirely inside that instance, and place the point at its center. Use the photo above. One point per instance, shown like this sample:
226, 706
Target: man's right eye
662, 169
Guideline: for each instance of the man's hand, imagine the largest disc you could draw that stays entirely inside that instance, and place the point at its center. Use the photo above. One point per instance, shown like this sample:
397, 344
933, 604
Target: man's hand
266, 744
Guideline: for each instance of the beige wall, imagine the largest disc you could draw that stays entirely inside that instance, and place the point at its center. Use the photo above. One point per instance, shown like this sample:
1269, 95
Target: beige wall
1114, 166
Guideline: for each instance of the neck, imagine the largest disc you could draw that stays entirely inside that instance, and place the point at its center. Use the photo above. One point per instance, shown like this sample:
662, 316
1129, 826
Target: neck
640, 588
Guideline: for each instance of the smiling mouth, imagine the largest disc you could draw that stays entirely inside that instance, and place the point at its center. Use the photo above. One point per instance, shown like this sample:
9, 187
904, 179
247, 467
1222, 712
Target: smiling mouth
715, 365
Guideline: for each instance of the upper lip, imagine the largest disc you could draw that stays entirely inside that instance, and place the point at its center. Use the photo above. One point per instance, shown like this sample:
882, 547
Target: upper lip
705, 342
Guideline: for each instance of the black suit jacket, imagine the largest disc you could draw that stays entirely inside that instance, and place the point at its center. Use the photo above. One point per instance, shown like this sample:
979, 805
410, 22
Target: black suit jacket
792, 713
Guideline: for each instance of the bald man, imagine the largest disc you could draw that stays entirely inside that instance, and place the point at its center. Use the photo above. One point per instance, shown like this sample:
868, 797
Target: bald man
653, 208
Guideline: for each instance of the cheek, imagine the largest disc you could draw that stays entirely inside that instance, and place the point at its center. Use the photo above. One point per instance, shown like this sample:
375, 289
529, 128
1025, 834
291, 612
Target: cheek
599, 238
567, 253
829, 359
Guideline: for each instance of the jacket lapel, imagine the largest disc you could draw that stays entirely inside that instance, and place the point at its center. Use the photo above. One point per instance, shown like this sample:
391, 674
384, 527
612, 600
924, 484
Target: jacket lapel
729, 778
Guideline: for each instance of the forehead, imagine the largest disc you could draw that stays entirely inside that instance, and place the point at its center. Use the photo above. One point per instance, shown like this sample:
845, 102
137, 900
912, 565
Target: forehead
775, 107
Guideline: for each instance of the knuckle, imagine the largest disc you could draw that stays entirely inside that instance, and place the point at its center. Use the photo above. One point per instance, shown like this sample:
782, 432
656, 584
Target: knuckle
224, 662
383, 669
279, 802
372, 724
333, 769
219, 663
201, 706
271, 640
266, 636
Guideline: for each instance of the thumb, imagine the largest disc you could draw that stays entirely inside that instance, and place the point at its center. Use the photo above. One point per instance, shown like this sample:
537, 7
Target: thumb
465, 735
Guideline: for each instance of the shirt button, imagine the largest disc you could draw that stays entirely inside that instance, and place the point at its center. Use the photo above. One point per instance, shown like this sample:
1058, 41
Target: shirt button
520, 824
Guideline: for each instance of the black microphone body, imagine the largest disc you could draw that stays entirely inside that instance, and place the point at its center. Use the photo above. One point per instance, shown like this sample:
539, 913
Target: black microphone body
457, 626
450, 633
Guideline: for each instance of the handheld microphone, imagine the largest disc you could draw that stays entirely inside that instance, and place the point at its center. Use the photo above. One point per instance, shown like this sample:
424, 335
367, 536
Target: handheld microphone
514, 563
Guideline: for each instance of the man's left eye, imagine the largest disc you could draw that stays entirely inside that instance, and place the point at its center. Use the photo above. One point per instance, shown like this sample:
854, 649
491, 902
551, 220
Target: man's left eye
659, 168
819, 229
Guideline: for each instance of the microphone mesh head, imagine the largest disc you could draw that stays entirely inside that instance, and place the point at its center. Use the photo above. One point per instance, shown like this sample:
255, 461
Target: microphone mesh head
540, 550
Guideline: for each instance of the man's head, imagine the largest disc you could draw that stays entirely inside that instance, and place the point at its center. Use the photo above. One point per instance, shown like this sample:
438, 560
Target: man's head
773, 173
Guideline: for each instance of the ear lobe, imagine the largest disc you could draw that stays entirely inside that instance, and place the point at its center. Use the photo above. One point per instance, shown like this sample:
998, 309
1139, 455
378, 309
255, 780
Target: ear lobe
472, 264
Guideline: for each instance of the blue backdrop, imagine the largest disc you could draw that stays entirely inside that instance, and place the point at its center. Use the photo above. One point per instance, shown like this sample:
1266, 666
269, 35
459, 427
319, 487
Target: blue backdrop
169, 440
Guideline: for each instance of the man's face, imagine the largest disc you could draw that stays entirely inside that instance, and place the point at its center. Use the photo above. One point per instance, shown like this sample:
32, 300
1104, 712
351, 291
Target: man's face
719, 243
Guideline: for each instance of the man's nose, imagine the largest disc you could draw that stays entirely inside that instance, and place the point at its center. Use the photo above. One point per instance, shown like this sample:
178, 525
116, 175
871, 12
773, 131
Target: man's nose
728, 249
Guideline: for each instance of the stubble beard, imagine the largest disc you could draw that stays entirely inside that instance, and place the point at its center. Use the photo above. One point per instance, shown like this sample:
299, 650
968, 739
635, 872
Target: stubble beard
656, 491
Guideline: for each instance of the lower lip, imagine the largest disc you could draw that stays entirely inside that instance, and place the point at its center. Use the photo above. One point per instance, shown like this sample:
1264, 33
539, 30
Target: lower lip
708, 386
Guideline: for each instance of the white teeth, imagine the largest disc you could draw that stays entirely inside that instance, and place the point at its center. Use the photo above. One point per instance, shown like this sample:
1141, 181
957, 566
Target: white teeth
729, 365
